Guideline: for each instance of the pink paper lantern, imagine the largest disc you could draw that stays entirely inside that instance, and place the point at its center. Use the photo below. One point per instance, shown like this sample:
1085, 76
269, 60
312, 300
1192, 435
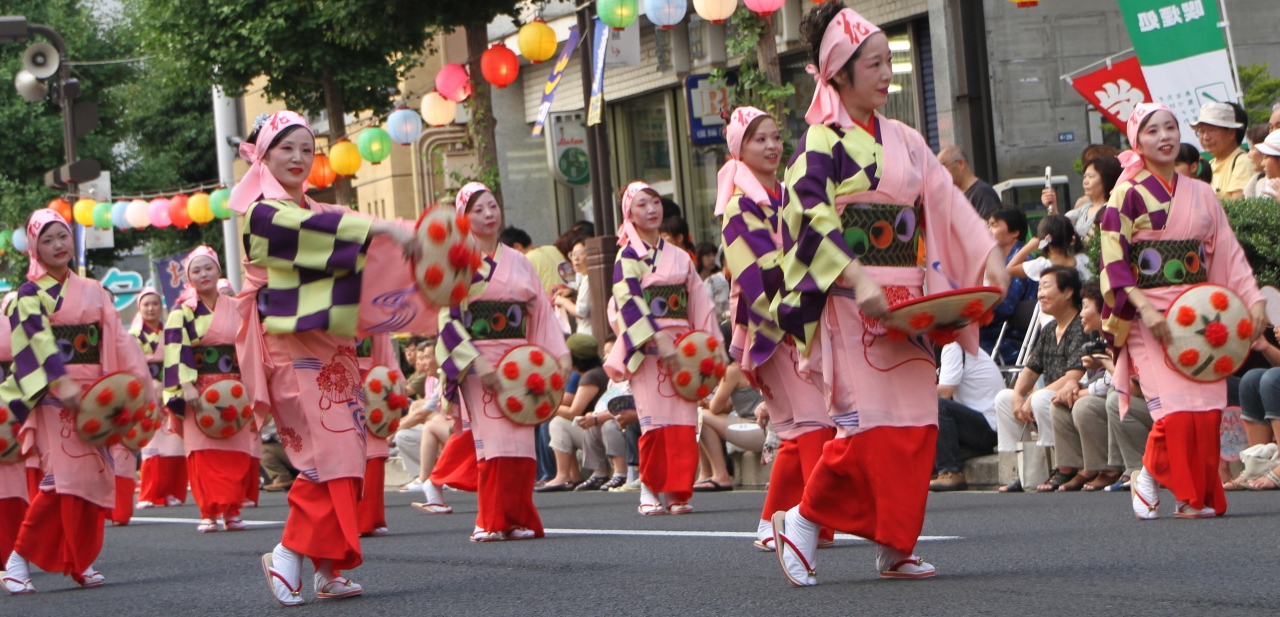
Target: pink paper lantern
453, 83
158, 212
764, 7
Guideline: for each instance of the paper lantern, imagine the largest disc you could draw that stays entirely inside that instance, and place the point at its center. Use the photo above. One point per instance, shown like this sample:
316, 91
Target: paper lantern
158, 213
322, 174
344, 157
499, 65
63, 208
715, 11
537, 41
1025, 4
102, 215
453, 83
137, 214
6, 237
665, 14
213, 206
404, 125
19, 240
178, 214
119, 215
198, 208
374, 144
764, 7
618, 14
82, 211
437, 110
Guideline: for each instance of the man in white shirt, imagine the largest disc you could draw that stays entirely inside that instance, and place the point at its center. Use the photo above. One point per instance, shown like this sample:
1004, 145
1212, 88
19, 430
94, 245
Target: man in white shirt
967, 389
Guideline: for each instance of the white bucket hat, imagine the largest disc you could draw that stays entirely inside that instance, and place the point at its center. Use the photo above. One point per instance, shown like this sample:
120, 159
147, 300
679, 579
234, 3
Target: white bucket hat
1271, 146
1218, 114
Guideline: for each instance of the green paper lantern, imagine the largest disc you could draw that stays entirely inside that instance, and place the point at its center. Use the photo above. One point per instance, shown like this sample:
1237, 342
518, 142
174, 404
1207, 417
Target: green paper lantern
102, 215
374, 144
6, 235
618, 14
218, 202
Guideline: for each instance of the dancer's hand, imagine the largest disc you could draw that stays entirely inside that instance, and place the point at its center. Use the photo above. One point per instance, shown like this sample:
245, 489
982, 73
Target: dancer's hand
762, 415
68, 392
487, 374
1258, 315
406, 239
666, 347
1155, 322
870, 296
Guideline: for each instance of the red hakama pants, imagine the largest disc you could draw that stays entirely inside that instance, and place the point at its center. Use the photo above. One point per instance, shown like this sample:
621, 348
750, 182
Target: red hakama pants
322, 522
456, 465
669, 461
252, 481
123, 511
874, 484
163, 476
217, 481
792, 467
1182, 454
61, 533
34, 476
505, 501
12, 511
372, 511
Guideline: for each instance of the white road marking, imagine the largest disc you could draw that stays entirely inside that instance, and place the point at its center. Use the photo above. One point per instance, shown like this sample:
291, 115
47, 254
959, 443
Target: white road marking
705, 534
195, 521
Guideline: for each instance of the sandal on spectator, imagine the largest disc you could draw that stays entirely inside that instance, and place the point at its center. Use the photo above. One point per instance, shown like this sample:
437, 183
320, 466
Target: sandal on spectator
1101, 481
1237, 483
433, 508
615, 482
1012, 487
1261, 484
1055, 481
1076, 483
715, 487
1121, 485
568, 485
593, 483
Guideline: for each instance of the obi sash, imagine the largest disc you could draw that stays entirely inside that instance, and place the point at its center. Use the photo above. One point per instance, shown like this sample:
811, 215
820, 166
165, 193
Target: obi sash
79, 344
667, 301
1162, 263
216, 360
885, 235
491, 320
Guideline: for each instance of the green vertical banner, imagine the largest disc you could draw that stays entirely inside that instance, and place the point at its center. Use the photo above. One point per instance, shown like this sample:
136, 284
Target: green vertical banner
1183, 54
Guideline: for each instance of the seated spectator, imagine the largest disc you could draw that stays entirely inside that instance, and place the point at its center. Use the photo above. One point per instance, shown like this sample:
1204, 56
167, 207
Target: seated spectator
1100, 176
615, 414
415, 435
1008, 225
734, 403
568, 433
967, 388
1260, 410
275, 462
1127, 437
717, 285
1080, 432
1056, 357
1059, 245
577, 304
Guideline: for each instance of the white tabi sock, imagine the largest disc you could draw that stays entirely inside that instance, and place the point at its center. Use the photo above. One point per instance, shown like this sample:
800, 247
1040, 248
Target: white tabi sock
647, 497
288, 563
765, 530
433, 493
17, 567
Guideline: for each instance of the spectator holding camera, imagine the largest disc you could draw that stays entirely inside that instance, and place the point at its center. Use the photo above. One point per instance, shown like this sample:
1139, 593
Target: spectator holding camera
1056, 356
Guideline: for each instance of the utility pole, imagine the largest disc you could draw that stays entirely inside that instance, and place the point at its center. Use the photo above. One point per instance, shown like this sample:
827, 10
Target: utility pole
226, 143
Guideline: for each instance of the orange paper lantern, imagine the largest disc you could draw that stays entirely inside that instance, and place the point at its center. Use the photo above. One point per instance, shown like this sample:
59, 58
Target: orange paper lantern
62, 207
322, 174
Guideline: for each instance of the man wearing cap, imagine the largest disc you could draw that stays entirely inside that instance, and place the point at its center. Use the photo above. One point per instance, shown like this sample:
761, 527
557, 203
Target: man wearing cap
1221, 130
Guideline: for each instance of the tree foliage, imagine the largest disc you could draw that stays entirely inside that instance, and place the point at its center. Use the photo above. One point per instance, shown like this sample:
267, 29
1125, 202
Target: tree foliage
1261, 91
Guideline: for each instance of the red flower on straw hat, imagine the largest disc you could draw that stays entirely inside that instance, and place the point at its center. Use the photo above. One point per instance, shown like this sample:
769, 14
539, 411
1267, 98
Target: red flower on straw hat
1216, 334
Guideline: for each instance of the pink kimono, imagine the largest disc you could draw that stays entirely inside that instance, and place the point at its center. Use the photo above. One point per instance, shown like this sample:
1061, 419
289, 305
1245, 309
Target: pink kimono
164, 458
13, 476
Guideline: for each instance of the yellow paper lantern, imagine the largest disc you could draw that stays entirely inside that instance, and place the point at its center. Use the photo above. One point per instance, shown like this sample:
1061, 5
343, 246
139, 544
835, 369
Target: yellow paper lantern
537, 41
198, 208
345, 159
82, 212
715, 11
436, 110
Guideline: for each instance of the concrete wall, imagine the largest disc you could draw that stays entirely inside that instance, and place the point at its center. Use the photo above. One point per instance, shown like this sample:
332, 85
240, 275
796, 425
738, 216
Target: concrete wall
528, 191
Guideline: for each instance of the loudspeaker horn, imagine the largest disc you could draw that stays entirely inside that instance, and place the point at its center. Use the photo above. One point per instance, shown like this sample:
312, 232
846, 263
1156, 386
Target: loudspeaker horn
41, 60
31, 89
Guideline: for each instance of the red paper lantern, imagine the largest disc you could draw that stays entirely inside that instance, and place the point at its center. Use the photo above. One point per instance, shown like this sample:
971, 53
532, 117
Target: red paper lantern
62, 207
178, 214
322, 173
764, 7
453, 83
499, 65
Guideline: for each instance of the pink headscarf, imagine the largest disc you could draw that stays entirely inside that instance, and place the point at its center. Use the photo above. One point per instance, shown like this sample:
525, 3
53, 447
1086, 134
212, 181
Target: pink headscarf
465, 193
259, 183
1130, 160
627, 233
136, 324
735, 173
843, 36
189, 295
35, 225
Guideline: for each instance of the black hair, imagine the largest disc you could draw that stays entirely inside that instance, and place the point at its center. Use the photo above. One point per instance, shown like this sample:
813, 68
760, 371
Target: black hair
1108, 168
1190, 155
676, 226
582, 365
1062, 233
275, 141
706, 248
1015, 220
586, 229
814, 27
512, 236
1242, 117
1092, 291
1066, 278
471, 201
669, 206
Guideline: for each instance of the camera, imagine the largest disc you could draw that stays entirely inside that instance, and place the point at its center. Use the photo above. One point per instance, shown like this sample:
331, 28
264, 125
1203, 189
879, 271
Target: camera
1095, 347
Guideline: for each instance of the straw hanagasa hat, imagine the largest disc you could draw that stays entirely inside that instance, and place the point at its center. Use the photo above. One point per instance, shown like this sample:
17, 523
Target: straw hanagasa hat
449, 256
146, 424
1211, 330
10, 449
698, 368
225, 410
384, 401
941, 313
530, 385
110, 407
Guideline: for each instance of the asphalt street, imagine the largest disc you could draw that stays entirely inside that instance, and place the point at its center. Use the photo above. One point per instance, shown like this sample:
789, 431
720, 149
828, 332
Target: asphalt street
1054, 554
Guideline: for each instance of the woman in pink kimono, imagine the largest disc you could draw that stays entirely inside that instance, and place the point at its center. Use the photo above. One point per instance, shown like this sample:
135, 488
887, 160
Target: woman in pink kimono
164, 458
62, 531
1153, 208
14, 492
506, 281
648, 267
204, 324
376, 350
750, 198
304, 263
854, 172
